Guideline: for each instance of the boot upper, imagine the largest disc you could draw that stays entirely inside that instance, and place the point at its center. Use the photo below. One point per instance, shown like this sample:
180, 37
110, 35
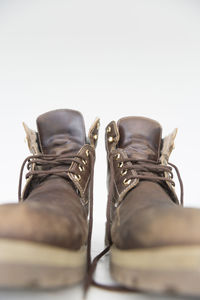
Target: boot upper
53, 208
144, 210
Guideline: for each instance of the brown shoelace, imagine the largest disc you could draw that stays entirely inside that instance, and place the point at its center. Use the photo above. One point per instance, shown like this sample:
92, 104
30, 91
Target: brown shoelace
145, 170
53, 165
48, 165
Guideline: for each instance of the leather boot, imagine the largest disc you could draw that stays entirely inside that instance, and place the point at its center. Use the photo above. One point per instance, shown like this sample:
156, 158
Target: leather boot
155, 241
44, 238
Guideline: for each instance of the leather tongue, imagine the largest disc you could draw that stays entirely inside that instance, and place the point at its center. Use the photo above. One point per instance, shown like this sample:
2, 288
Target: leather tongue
140, 137
61, 131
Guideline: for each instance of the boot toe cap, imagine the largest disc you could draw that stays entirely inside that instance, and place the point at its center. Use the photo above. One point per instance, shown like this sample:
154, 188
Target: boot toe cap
157, 227
40, 224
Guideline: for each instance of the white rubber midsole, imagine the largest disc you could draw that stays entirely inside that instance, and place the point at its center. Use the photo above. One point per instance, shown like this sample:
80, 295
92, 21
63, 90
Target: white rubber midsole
163, 258
25, 252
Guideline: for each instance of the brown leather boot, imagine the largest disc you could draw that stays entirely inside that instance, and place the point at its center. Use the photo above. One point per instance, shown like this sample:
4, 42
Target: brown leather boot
155, 241
44, 238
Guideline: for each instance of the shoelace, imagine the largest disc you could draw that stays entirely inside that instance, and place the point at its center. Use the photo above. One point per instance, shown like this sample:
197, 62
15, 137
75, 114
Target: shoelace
50, 165
144, 170
51, 162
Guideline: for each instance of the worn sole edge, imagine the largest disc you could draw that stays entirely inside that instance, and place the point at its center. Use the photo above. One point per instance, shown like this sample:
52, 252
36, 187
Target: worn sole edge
165, 269
27, 264
168, 258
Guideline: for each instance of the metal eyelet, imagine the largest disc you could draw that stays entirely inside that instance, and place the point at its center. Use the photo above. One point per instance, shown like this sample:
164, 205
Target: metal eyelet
110, 139
120, 165
84, 161
81, 168
108, 129
87, 152
126, 182
77, 177
123, 172
95, 137
117, 156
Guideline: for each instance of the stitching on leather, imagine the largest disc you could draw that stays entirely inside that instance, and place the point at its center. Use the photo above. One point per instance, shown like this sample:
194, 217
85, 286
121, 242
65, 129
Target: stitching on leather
129, 187
86, 184
116, 188
73, 165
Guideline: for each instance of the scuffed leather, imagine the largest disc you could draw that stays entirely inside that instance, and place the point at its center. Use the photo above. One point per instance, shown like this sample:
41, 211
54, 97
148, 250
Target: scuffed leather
53, 211
137, 141
83, 184
148, 215
61, 131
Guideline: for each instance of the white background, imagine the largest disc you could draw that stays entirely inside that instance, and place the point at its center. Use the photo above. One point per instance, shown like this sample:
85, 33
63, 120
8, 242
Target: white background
106, 58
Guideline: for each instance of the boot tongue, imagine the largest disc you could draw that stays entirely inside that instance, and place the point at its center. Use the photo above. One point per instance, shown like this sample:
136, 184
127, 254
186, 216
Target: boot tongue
61, 131
140, 137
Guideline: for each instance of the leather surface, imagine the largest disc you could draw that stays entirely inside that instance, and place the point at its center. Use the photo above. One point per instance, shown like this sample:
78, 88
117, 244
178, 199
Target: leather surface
147, 215
140, 136
53, 212
61, 131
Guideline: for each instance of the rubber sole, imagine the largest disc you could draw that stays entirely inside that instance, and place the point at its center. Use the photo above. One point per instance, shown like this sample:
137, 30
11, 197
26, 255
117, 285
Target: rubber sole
32, 265
168, 269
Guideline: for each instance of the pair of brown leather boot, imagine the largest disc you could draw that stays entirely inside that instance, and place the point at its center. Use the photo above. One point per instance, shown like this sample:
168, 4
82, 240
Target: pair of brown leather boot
45, 240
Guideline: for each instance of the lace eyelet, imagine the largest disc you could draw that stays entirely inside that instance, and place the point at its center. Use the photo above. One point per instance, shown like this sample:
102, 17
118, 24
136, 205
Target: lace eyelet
87, 152
81, 168
123, 172
108, 129
77, 177
120, 165
126, 182
84, 161
110, 139
117, 156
